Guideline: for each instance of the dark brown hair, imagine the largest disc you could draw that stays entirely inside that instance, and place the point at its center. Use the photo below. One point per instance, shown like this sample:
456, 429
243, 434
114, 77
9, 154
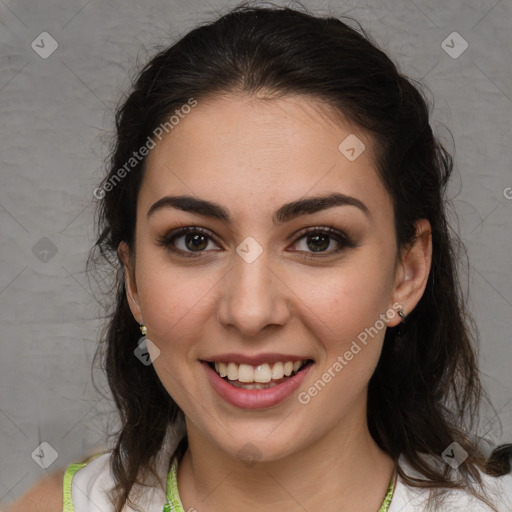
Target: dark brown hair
426, 390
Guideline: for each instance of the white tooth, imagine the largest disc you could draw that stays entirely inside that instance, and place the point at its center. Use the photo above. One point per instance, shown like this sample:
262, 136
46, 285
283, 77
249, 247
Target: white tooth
262, 373
277, 371
217, 367
245, 373
297, 365
232, 371
222, 369
288, 368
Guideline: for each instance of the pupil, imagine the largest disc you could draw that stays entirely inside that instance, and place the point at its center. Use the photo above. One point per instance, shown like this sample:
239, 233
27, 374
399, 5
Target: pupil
318, 238
198, 241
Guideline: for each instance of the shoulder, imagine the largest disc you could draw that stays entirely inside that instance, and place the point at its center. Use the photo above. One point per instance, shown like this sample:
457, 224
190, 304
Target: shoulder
499, 490
88, 487
44, 496
86, 484
410, 499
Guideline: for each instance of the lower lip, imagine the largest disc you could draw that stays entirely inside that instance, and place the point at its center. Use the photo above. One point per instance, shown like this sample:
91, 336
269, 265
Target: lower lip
255, 398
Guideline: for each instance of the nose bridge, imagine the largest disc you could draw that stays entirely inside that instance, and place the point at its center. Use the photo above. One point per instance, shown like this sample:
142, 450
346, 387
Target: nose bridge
252, 297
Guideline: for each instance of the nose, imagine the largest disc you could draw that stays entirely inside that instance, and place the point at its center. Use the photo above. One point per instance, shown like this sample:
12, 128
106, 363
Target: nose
253, 297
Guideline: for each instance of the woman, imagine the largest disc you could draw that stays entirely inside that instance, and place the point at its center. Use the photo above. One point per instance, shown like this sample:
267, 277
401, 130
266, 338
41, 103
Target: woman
288, 330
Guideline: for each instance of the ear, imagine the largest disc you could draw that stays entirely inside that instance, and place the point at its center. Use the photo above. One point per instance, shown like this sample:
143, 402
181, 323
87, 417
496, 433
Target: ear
413, 270
129, 280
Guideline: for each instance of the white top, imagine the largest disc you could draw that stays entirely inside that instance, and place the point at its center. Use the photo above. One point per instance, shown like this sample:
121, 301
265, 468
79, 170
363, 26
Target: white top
90, 484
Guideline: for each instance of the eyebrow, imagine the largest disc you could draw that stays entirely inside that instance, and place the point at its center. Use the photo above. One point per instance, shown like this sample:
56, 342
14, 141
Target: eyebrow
285, 213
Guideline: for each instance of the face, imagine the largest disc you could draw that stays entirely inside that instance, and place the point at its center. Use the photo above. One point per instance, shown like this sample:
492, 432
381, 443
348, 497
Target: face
266, 275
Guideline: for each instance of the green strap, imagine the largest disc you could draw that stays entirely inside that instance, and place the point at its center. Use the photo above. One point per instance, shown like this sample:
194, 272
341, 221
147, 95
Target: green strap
68, 478
389, 495
173, 503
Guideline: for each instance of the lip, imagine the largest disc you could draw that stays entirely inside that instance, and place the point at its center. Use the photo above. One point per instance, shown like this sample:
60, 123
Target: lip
255, 398
255, 360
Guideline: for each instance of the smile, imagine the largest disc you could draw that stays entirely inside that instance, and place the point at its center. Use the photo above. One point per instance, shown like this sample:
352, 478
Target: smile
255, 386
242, 375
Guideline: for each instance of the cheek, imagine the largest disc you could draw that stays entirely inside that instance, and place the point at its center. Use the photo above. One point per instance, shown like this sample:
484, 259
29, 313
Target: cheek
344, 312
345, 301
173, 299
175, 306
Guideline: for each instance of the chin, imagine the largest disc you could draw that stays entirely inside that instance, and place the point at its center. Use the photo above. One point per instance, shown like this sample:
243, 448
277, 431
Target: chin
256, 443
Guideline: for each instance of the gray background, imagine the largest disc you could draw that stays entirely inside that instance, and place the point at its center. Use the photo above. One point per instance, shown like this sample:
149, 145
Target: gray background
56, 120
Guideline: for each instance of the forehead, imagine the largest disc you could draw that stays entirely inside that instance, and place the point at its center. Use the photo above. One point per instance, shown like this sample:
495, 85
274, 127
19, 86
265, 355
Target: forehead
252, 151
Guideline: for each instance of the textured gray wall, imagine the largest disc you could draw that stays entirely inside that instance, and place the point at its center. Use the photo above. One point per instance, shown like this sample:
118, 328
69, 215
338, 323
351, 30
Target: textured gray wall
55, 114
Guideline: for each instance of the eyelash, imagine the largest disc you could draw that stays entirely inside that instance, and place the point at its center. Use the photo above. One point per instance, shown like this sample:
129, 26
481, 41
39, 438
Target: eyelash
341, 238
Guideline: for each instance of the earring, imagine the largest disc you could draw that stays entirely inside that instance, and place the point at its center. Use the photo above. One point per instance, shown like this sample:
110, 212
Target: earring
142, 350
400, 327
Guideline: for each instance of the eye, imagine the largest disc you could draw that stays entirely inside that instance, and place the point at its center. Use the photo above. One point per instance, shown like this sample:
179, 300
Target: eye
319, 240
187, 241
194, 241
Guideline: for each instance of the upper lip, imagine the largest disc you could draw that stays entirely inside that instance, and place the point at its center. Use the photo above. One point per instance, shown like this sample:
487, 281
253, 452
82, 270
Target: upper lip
254, 360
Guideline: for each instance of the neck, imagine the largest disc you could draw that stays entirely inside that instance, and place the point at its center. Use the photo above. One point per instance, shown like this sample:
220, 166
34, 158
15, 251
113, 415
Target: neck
344, 470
